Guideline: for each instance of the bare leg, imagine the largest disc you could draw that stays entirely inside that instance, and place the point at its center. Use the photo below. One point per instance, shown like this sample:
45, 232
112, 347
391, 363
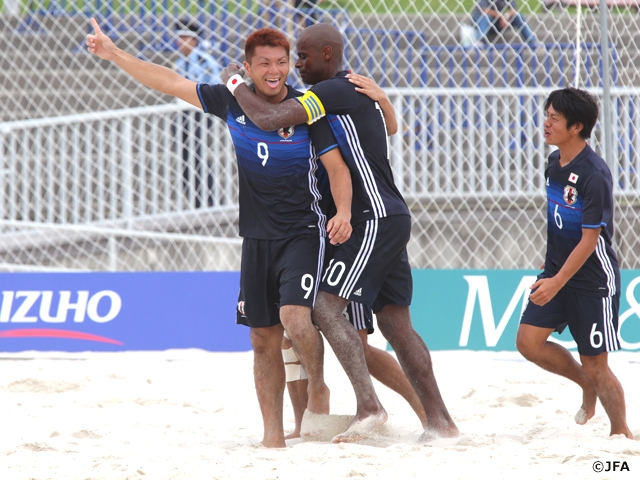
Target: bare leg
298, 395
384, 368
532, 343
308, 346
299, 398
268, 372
347, 346
394, 322
609, 391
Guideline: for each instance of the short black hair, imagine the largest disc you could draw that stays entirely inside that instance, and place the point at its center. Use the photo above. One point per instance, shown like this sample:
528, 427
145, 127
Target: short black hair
187, 24
577, 106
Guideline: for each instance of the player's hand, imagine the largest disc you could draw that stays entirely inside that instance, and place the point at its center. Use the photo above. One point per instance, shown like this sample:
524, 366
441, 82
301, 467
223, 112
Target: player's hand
98, 43
339, 229
367, 86
231, 70
544, 290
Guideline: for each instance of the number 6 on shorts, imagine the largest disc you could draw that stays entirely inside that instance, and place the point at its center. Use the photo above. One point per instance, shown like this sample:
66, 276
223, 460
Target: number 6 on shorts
595, 333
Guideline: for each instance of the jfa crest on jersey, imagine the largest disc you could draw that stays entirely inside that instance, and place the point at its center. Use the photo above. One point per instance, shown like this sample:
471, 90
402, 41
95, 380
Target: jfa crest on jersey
286, 132
570, 195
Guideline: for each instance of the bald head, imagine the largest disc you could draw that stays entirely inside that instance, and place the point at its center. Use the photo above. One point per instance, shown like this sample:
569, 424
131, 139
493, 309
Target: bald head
323, 35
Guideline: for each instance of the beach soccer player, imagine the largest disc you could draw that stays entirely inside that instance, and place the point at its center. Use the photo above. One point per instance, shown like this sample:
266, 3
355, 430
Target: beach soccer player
580, 284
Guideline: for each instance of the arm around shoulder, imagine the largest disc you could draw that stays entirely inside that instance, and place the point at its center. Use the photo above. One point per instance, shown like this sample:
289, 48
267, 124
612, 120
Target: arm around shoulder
371, 89
268, 116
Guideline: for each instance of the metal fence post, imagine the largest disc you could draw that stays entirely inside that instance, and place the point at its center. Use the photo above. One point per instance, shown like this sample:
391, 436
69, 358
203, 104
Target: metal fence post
127, 174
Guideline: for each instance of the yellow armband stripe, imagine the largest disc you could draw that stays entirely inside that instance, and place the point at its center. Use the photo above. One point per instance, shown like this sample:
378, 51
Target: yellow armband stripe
313, 106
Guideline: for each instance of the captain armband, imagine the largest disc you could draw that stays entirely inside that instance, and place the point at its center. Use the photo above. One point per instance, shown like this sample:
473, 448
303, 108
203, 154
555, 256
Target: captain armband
313, 106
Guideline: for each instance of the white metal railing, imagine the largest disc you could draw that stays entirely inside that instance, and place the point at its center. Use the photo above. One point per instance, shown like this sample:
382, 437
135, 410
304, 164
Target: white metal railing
487, 142
128, 164
120, 164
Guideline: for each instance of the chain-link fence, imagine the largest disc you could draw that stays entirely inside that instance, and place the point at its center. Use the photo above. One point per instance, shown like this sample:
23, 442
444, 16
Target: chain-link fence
93, 169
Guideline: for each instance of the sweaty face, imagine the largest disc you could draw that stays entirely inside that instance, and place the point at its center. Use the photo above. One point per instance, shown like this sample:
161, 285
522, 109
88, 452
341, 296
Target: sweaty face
268, 68
310, 64
555, 128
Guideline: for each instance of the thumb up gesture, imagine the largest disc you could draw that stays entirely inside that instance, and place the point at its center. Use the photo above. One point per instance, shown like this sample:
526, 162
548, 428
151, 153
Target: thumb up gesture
98, 43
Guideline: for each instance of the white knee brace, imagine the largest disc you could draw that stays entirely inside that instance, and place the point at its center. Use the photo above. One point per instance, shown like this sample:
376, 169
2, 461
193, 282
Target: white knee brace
294, 371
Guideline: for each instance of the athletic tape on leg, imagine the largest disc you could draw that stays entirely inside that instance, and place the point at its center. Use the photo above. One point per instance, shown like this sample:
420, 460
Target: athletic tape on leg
289, 356
294, 372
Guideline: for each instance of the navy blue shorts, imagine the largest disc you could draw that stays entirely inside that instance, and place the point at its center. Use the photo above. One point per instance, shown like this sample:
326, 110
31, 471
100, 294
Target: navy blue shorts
372, 267
274, 273
360, 316
592, 321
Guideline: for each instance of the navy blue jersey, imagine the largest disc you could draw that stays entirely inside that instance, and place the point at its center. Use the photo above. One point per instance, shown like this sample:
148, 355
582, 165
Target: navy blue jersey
580, 195
358, 125
278, 191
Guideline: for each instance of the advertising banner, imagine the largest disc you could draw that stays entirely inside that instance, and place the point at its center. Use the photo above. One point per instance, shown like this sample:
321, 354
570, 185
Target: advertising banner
481, 309
120, 311
452, 309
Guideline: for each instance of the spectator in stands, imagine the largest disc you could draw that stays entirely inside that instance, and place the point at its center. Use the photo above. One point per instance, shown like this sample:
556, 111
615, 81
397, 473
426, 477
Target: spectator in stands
497, 15
195, 64
308, 11
199, 66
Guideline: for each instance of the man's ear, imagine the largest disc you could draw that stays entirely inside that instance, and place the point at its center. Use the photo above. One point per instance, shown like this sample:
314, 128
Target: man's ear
327, 52
247, 68
578, 127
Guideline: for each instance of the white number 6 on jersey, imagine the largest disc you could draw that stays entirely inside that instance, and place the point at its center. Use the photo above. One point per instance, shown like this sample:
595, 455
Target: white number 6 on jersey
557, 218
263, 152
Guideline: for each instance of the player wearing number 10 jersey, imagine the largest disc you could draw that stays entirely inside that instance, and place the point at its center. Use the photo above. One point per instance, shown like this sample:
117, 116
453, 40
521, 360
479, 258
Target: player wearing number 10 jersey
580, 284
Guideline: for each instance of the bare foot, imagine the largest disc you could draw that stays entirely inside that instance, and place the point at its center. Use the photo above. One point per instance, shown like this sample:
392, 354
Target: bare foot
627, 433
361, 427
588, 408
292, 435
273, 443
322, 428
430, 434
319, 400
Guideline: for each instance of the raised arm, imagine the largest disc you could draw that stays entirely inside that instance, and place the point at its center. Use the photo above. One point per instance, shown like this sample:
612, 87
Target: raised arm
339, 227
154, 76
266, 116
371, 89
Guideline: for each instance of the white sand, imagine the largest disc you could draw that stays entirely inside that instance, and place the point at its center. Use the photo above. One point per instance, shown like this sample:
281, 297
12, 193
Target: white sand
194, 415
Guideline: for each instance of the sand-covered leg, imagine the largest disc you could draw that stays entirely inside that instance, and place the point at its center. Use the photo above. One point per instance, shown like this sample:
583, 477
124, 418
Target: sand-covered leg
347, 346
394, 322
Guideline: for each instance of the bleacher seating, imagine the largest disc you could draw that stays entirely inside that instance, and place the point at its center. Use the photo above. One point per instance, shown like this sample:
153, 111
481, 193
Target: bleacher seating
433, 60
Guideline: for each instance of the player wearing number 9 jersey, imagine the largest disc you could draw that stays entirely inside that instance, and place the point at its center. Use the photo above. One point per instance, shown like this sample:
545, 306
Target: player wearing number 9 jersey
580, 284
280, 209
283, 225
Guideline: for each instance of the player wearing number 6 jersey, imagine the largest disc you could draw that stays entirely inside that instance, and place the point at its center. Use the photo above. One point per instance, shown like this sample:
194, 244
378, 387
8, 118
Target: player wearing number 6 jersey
372, 267
580, 284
